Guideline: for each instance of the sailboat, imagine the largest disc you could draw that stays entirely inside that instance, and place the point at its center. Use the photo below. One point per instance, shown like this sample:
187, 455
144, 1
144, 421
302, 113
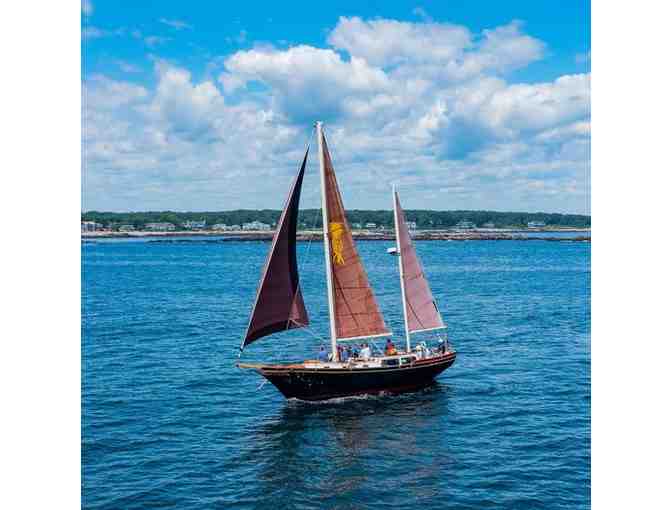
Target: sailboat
354, 315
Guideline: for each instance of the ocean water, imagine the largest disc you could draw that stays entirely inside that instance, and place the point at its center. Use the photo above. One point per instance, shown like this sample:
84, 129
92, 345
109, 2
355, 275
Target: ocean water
169, 422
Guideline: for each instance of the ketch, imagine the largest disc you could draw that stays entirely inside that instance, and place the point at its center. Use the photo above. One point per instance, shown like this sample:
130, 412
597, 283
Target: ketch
354, 315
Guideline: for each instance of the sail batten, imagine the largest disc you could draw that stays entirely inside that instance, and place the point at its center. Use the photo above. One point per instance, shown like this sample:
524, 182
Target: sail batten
355, 309
279, 303
421, 311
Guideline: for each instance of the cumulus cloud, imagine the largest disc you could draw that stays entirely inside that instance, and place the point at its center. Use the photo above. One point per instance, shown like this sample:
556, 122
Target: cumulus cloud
107, 94
389, 42
304, 79
427, 105
436, 50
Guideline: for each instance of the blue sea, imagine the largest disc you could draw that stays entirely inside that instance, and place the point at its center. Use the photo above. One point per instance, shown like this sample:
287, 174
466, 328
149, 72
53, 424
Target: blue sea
168, 421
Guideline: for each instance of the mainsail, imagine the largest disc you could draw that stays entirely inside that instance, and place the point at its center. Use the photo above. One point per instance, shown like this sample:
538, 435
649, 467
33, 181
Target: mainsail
279, 305
355, 310
421, 311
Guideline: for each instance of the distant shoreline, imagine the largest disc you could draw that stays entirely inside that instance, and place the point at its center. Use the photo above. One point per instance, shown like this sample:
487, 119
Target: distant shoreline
419, 235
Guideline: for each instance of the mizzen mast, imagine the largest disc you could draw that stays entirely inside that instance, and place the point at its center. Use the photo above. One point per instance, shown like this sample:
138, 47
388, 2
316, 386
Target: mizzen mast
401, 268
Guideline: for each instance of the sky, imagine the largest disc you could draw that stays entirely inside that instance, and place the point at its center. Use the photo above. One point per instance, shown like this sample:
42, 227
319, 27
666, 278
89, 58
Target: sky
208, 106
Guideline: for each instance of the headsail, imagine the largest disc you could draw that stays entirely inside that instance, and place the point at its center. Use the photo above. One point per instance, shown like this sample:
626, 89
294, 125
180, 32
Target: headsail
421, 311
356, 312
279, 305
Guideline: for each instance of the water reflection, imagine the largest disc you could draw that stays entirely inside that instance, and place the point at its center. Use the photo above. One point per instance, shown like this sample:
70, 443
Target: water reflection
331, 449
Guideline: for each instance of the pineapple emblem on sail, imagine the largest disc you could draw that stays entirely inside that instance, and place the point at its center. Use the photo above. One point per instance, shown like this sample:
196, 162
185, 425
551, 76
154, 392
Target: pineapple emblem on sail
335, 234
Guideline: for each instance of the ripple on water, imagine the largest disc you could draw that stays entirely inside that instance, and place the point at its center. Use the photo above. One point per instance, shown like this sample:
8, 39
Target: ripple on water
168, 421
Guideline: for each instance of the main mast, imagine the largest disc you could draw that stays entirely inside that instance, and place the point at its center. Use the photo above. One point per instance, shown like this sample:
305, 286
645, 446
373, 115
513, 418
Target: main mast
401, 268
327, 251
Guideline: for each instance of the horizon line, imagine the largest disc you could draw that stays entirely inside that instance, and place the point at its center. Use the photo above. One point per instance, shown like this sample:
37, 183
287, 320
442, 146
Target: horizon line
316, 208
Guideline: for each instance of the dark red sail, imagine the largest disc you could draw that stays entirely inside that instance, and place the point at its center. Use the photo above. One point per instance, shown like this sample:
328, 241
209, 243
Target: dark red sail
356, 311
279, 305
421, 310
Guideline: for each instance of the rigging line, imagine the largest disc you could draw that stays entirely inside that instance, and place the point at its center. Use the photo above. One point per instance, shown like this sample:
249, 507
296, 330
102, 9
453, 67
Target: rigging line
310, 330
304, 257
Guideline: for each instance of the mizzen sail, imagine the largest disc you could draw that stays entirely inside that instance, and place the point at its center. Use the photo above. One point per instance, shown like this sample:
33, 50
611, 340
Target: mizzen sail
356, 312
279, 305
421, 310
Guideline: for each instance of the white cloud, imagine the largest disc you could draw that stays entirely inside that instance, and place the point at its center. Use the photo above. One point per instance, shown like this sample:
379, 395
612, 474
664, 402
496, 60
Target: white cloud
106, 93
186, 109
388, 42
504, 49
440, 51
304, 80
427, 105
176, 23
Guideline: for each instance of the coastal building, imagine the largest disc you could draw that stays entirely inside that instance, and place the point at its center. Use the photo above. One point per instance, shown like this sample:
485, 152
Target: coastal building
126, 228
370, 225
256, 225
535, 224
91, 226
225, 227
194, 225
489, 224
465, 225
357, 226
160, 227
411, 225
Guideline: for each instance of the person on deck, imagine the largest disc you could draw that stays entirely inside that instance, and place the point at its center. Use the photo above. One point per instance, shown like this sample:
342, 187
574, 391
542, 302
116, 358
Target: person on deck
322, 355
345, 354
390, 349
365, 353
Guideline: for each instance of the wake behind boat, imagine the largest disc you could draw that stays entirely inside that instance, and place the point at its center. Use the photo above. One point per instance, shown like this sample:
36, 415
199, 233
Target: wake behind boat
354, 315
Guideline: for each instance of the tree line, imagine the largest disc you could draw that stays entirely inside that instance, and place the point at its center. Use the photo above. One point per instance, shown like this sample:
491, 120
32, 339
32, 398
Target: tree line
312, 218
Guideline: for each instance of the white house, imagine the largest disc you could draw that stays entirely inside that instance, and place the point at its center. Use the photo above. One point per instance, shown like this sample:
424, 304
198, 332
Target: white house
535, 224
194, 225
225, 227
160, 227
465, 225
411, 225
256, 225
90, 226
